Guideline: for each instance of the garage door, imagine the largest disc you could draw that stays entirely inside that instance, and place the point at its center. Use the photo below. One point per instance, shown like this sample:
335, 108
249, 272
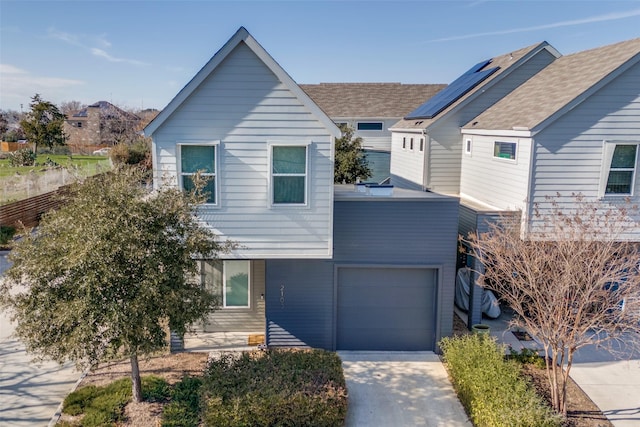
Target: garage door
386, 309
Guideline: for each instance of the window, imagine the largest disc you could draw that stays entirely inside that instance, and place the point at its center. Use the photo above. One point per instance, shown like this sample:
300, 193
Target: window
194, 158
467, 146
504, 150
229, 280
620, 168
404, 143
369, 125
79, 124
289, 174
411, 144
421, 144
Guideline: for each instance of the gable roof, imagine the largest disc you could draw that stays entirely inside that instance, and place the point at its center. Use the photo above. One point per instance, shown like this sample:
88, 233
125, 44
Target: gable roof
241, 36
370, 100
506, 64
108, 111
558, 88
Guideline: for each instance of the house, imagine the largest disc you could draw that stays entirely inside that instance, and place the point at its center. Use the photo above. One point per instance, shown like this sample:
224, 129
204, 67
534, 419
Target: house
370, 109
317, 265
426, 147
99, 124
574, 127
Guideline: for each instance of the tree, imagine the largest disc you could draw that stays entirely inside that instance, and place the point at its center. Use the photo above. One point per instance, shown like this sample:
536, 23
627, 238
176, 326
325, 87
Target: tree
572, 280
43, 125
71, 107
351, 162
4, 124
107, 273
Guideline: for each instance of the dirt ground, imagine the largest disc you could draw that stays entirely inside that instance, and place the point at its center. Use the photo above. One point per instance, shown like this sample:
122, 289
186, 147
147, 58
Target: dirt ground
581, 412
171, 367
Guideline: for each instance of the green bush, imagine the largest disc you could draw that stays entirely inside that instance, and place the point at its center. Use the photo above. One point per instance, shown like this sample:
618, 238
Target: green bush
278, 387
491, 388
6, 234
104, 406
526, 356
22, 157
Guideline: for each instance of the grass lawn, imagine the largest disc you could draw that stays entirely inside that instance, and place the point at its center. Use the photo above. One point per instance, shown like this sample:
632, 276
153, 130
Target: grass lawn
89, 164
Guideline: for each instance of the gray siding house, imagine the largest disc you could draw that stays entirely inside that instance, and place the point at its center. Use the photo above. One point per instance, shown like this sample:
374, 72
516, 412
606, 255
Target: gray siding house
371, 109
572, 128
426, 147
313, 262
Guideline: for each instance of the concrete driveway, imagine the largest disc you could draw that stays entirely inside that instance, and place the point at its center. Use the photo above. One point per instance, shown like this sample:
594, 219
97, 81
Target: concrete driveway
29, 394
400, 389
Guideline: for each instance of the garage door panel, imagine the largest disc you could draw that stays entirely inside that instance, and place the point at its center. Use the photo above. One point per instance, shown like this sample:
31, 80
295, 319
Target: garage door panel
386, 308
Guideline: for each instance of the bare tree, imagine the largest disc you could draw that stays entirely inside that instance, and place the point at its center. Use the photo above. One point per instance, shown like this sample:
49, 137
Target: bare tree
71, 107
572, 279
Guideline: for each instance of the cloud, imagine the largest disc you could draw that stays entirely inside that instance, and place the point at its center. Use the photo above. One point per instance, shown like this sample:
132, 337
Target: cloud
18, 86
89, 41
614, 16
102, 54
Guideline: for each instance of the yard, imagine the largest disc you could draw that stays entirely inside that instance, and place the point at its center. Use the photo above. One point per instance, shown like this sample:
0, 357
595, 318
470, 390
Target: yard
50, 172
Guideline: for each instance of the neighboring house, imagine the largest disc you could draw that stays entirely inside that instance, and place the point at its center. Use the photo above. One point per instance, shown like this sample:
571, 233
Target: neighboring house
316, 265
101, 123
426, 151
574, 127
370, 109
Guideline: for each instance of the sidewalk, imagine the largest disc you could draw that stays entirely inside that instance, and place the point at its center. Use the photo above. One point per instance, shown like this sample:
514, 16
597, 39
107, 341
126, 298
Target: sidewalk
29, 394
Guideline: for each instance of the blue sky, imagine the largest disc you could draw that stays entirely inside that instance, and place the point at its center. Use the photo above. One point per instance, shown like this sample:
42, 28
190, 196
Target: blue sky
139, 54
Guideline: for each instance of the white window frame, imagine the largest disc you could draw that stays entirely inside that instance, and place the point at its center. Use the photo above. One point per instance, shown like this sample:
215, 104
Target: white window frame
404, 142
224, 285
468, 145
504, 159
216, 167
421, 145
271, 189
607, 157
411, 144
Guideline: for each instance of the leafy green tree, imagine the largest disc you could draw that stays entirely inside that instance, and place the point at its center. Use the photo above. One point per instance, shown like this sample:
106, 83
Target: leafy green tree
351, 162
43, 125
106, 274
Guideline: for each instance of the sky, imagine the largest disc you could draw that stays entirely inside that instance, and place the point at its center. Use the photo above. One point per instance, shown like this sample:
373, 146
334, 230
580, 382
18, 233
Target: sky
138, 54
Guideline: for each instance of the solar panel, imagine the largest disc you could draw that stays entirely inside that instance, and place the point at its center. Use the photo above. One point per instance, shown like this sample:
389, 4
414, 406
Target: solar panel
453, 92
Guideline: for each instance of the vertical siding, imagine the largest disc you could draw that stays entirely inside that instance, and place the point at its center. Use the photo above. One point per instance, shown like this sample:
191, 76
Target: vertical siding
496, 182
244, 106
407, 165
243, 319
569, 153
444, 157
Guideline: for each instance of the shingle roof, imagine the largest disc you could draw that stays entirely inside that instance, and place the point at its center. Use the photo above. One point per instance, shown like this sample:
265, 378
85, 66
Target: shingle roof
371, 100
108, 111
555, 87
503, 61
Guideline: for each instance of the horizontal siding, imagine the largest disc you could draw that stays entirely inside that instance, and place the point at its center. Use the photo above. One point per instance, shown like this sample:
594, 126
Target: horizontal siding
496, 182
445, 151
379, 140
243, 106
406, 165
569, 152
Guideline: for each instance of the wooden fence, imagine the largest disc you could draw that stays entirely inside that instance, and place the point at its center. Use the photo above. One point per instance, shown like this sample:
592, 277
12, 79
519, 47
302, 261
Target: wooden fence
29, 211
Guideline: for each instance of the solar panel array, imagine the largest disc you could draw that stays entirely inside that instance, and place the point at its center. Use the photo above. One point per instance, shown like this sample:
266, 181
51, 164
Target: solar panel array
453, 92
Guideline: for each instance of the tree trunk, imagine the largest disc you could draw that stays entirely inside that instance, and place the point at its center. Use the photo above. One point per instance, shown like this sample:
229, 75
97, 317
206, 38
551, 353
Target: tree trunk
136, 384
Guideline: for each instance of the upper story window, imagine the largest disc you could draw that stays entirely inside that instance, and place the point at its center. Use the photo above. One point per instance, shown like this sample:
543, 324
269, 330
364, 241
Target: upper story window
404, 142
421, 144
505, 150
79, 124
369, 125
199, 158
289, 174
620, 162
467, 146
411, 144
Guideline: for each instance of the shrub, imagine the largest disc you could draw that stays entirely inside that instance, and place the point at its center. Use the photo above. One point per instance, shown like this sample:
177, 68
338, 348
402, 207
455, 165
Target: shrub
184, 409
6, 234
491, 388
526, 356
279, 387
22, 157
155, 389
